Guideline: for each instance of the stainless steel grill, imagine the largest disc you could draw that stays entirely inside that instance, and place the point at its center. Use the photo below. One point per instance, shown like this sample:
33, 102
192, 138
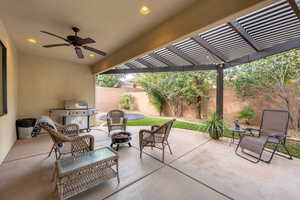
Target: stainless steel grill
76, 112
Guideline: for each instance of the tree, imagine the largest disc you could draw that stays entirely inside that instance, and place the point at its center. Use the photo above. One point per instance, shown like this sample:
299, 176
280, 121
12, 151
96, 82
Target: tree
270, 75
109, 80
173, 88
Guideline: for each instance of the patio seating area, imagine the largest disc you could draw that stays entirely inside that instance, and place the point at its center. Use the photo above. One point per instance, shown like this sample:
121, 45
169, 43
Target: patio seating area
197, 48
199, 168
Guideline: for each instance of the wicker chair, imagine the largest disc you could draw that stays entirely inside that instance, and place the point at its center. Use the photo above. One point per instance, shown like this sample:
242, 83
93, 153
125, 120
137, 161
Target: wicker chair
157, 137
66, 144
273, 130
116, 120
70, 130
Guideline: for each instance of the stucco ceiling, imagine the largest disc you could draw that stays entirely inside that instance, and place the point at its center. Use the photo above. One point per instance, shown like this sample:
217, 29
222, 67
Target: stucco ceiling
112, 23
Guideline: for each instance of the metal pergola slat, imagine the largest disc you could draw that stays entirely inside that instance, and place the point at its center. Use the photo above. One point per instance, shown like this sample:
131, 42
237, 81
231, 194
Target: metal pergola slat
279, 24
259, 31
243, 33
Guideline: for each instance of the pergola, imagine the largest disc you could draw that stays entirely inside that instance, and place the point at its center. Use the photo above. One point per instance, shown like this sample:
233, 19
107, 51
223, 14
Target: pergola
265, 32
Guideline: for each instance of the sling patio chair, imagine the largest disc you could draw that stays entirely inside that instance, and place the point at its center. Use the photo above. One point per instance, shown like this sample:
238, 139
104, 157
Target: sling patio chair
157, 137
64, 144
116, 120
273, 130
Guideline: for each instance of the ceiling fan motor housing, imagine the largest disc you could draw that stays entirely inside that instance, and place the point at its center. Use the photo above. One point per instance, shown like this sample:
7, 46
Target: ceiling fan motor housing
75, 29
74, 40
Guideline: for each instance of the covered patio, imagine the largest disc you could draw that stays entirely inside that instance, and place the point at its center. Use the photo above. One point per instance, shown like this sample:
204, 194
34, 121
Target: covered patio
200, 168
265, 32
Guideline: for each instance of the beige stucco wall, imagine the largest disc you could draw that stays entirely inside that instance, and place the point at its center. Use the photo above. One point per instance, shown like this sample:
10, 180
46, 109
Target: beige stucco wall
7, 122
109, 98
45, 83
233, 104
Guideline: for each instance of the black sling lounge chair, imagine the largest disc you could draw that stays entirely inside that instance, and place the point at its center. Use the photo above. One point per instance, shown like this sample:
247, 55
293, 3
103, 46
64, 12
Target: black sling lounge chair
273, 130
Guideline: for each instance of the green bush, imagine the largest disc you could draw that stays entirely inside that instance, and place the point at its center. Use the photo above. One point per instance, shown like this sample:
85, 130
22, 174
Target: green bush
247, 114
156, 100
127, 102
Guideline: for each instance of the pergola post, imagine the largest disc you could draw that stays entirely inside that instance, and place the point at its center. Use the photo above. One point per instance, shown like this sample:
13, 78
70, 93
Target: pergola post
220, 91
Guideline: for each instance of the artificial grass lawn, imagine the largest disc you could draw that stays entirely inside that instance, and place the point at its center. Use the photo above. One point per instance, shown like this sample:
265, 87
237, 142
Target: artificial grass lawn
293, 146
158, 121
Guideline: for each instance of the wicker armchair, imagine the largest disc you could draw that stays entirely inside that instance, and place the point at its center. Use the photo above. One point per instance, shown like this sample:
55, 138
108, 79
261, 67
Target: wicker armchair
64, 144
157, 137
116, 120
71, 130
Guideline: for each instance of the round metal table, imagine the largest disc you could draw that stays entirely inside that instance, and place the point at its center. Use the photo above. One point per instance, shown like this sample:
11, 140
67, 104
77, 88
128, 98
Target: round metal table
235, 131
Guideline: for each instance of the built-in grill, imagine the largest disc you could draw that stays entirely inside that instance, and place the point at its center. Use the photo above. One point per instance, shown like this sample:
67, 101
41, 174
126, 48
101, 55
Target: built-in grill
76, 112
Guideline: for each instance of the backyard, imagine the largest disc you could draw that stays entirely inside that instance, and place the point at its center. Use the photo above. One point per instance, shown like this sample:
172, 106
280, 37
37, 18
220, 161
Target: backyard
269, 83
293, 146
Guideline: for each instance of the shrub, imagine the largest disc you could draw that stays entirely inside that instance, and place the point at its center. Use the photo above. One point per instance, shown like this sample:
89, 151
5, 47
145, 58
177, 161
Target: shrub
156, 100
127, 102
247, 114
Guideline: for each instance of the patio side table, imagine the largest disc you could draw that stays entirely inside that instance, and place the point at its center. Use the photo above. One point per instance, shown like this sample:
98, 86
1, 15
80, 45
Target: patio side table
77, 174
240, 132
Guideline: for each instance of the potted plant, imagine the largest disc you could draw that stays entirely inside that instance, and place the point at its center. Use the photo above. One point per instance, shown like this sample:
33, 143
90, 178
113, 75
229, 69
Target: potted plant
127, 102
214, 126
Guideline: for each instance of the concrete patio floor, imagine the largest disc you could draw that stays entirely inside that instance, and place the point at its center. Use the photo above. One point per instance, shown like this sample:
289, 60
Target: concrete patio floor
200, 168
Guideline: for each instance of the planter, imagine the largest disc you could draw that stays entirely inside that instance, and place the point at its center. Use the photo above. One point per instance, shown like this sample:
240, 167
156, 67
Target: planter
214, 134
214, 126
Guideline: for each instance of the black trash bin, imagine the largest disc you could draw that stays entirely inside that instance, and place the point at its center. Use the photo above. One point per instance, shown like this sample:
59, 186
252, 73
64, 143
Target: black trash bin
25, 127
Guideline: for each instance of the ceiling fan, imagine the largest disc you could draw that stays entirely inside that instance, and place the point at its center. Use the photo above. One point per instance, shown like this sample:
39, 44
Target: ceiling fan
75, 41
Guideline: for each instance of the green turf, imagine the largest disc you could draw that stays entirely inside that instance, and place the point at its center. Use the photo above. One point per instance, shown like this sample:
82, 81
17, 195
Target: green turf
159, 121
293, 146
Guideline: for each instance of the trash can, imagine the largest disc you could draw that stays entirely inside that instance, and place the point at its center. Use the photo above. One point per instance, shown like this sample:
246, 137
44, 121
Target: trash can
25, 127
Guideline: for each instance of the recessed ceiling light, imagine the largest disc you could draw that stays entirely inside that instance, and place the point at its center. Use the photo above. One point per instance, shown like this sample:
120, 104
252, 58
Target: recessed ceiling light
91, 55
145, 10
33, 41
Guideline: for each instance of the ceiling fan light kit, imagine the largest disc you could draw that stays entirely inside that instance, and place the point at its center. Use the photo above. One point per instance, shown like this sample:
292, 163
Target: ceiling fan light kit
75, 41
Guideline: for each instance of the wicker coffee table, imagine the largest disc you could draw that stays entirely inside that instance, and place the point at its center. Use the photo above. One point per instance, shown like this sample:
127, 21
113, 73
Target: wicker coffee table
77, 174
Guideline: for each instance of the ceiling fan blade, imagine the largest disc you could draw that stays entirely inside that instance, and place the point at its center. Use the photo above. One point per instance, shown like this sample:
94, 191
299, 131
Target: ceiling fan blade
87, 41
55, 45
55, 36
79, 52
94, 50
